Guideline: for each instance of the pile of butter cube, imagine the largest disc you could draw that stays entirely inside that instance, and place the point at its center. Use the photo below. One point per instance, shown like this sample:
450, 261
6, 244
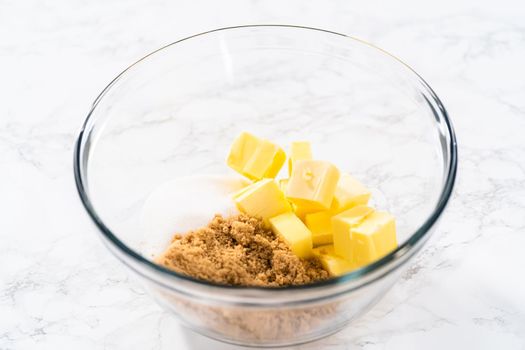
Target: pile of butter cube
318, 211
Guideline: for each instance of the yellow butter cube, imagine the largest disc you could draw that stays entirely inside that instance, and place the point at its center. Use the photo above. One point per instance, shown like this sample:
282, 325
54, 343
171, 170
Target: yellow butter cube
312, 184
255, 158
342, 225
262, 199
335, 265
294, 232
300, 150
349, 193
373, 238
320, 225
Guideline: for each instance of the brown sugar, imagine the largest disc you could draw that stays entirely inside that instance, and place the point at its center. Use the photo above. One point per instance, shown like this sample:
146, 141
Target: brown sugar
239, 250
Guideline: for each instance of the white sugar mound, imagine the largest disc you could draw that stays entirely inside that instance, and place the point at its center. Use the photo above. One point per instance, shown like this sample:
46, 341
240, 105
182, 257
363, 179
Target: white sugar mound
185, 204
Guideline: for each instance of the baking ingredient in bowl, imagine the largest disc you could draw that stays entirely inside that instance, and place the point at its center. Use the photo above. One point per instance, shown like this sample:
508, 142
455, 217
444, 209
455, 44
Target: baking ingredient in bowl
298, 230
349, 193
262, 199
239, 250
312, 184
289, 227
328, 217
332, 262
342, 226
319, 224
255, 158
373, 238
182, 204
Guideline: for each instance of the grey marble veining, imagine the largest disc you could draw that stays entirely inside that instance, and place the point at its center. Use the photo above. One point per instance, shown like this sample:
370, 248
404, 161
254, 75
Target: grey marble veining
60, 288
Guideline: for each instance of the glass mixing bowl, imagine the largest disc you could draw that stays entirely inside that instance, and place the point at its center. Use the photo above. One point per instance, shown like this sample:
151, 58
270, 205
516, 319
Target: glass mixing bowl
175, 112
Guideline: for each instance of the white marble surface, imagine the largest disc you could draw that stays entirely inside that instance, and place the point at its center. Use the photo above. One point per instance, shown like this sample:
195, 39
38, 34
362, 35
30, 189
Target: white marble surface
60, 288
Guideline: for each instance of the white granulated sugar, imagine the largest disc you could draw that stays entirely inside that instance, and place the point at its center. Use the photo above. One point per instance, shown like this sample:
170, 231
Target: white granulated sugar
185, 204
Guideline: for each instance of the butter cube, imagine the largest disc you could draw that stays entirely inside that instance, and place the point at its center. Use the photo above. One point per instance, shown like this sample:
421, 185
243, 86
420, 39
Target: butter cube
300, 150
312, 184
349, 193
262, 199
255, 158
320, 225
294, 232
373, 238
332, 263
342, 225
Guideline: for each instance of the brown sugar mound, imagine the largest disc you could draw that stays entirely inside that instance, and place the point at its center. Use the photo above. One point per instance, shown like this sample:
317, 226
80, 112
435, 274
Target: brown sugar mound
239, 250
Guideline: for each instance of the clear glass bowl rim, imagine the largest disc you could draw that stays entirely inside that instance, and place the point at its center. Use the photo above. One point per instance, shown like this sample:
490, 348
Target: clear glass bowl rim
407, 248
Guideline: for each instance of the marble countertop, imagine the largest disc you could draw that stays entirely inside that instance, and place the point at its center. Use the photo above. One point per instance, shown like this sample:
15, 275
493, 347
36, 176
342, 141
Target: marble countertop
59, 287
